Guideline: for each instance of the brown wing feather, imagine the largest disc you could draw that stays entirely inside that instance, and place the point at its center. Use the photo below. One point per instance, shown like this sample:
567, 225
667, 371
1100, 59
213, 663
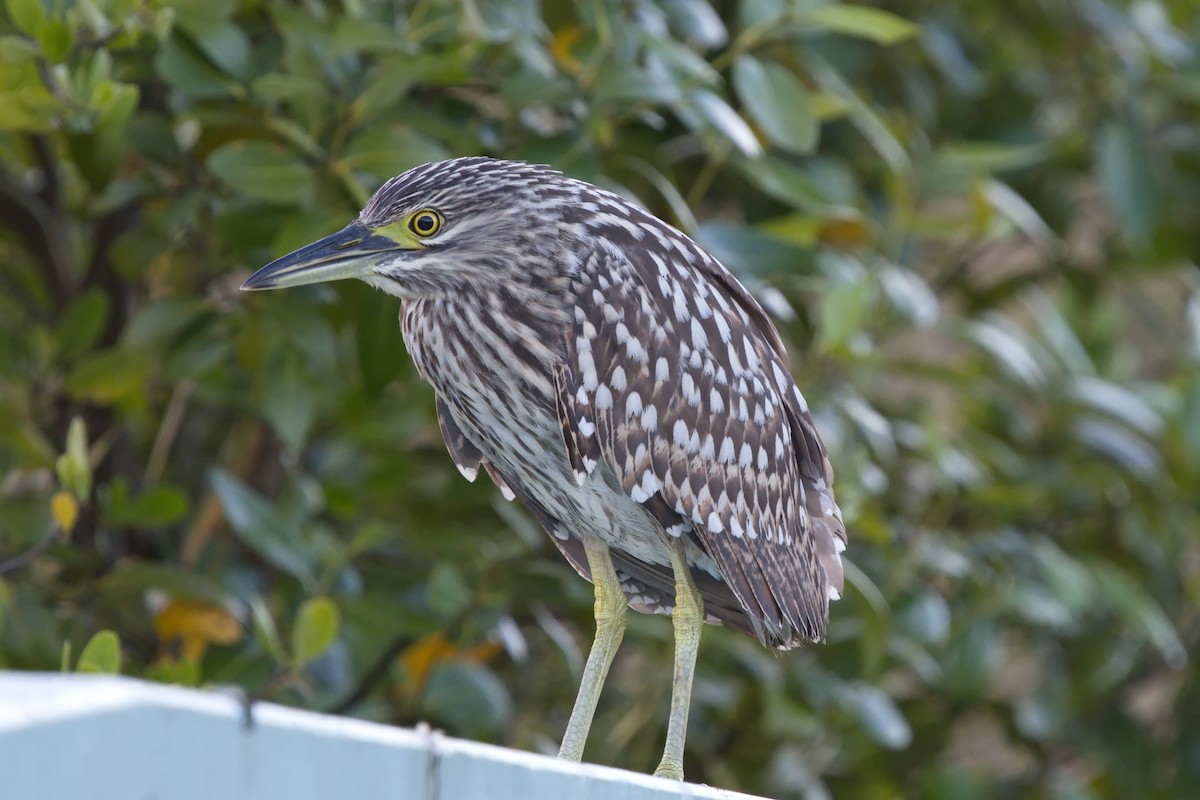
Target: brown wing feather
678, 379
466, 455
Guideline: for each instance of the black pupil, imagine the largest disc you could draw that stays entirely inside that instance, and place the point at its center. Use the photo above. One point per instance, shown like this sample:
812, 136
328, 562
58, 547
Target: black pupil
425, 223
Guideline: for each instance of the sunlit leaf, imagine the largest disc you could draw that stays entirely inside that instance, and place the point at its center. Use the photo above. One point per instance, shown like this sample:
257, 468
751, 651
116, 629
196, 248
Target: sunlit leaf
314, 630
102, 654
1117, 443
27, 15
697, 21
154, 508
723, 118
863, 22
73, 467
844, 311
1118, 402
109, 376
1008, 350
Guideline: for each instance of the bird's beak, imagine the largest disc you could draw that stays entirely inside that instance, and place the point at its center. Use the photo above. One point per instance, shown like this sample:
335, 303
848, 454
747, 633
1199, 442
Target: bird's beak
349, 253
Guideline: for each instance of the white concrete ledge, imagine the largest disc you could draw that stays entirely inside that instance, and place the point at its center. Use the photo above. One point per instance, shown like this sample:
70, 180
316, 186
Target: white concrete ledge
75, 737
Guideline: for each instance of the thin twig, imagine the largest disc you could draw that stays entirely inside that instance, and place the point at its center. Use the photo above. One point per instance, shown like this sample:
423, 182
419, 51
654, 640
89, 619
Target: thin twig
371, 677
211, 514
20, 560
167, 431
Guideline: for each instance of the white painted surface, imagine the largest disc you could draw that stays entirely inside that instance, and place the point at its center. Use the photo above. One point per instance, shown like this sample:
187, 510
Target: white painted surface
75, 737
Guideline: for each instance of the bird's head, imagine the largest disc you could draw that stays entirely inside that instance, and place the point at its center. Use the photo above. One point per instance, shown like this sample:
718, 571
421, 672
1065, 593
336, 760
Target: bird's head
446, 227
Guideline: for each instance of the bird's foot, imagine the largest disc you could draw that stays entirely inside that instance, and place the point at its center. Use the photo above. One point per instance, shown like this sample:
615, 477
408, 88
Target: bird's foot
671, 770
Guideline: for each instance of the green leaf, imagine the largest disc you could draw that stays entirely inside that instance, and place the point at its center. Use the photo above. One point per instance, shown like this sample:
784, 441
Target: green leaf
116, 103
697, 21
988, 157
1124, 164
27, 15
1009, 347
387, 150
158, 507
135, 578
1139, 608
31, 108
1069, 580
974, 658
184, 672
374, 336
878, 714
260, 527
786, 183
284, 86
289, 398
15, 50
110, 377
1117, 443
262, 171
81, 324
665, 55
225, 44
467, 697
55, 38
184, 69
777, 102
73, 468
448, 593
620, 85
314, 630
365, 36
721, 116
1119, 402
265, 630
844, 312
102, 654
748, 251
862, 22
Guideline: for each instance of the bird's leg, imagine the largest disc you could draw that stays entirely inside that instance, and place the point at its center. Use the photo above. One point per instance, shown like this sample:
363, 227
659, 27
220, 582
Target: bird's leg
688, 619
610, 627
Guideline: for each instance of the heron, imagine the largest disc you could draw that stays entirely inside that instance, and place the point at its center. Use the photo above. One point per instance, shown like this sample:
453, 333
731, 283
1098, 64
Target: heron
608, 372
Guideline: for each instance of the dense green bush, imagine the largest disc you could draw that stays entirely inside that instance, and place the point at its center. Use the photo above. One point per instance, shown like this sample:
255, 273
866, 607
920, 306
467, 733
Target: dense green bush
972, 221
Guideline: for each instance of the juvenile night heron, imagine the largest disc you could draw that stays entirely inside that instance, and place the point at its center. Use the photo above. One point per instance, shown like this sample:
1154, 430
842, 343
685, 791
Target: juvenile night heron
614, 376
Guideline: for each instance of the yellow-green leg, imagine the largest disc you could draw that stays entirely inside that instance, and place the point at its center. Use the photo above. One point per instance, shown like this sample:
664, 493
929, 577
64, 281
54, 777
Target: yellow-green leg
688, 619
610, 627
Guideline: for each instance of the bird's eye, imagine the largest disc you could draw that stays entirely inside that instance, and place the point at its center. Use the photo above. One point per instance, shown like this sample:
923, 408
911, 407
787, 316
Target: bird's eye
425, 223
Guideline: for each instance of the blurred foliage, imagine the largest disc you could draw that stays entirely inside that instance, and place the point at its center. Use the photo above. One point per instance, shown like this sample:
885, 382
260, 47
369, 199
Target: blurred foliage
976, 223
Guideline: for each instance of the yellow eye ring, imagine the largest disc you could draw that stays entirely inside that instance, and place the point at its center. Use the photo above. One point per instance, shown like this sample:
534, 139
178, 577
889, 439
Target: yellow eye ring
425, 223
